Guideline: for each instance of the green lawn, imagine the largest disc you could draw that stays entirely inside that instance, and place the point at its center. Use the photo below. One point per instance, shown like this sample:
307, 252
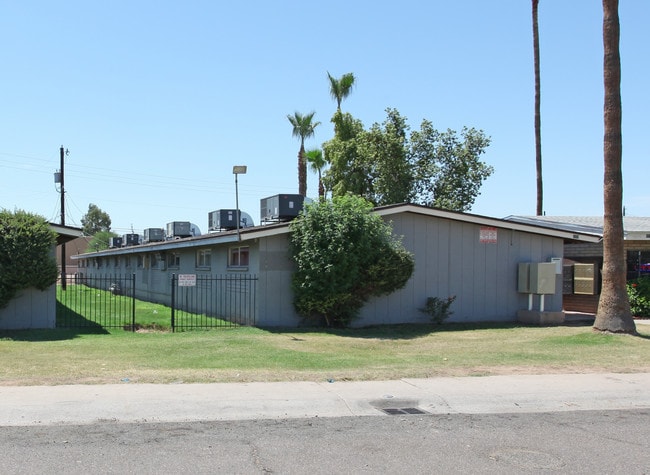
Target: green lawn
249, 354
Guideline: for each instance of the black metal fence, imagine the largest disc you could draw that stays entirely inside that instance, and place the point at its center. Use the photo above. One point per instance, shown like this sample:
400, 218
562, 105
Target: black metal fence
196, 302
96, 301
205, 301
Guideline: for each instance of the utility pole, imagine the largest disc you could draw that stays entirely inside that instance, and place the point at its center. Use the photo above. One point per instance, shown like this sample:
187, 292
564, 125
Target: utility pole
63, 276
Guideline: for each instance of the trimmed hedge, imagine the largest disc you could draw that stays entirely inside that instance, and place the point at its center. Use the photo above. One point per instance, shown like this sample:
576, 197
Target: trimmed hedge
26, 259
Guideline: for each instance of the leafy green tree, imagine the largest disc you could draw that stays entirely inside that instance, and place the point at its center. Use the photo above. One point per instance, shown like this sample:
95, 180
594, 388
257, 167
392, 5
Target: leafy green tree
347, 172
95, 220
385, 151
303, 127
614, 314
100, 240
344, 254
26, 257
448, 169
317, 162
340, 88
386, 165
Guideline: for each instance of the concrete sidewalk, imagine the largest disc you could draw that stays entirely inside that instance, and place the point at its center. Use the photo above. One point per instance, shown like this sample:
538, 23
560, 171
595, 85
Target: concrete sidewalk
85, 404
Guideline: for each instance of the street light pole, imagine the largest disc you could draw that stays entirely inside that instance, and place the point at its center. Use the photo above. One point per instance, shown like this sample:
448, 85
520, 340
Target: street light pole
238, 170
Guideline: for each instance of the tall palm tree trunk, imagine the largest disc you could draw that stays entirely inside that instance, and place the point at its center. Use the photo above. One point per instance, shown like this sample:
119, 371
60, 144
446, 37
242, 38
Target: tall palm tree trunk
614, 313
321, 186
538, 120
302, 171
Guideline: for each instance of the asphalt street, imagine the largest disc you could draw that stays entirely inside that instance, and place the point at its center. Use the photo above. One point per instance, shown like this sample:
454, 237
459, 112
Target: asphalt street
566, 423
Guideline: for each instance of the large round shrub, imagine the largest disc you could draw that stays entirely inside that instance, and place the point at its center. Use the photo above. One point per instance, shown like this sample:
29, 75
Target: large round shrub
344, 254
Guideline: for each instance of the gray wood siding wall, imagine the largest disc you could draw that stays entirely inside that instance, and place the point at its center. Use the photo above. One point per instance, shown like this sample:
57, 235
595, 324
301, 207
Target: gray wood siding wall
32, 308
275, 297
450, 260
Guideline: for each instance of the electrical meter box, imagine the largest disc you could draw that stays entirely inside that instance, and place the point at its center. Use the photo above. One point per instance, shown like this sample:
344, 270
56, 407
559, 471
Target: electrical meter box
536, 278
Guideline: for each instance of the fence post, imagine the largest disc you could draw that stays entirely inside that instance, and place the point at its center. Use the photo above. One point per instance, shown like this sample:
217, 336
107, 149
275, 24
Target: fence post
133, 302
173, 300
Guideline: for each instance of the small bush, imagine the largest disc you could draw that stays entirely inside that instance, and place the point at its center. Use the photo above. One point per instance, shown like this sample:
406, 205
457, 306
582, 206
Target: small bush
438, 309
638, 292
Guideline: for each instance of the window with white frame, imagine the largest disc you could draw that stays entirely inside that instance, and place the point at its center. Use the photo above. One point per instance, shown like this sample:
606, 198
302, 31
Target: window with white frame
238, 256
203, 257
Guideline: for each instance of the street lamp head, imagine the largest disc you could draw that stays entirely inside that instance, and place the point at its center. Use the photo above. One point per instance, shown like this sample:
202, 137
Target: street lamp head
239, 169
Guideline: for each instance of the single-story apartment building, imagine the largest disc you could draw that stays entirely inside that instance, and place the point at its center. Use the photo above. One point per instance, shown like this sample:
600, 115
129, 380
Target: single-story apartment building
33, 308
475, 258
586, 258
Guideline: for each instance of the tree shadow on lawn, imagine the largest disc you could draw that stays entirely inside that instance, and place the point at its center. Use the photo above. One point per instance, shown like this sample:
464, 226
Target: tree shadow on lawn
403, 331
410, 331
69, 325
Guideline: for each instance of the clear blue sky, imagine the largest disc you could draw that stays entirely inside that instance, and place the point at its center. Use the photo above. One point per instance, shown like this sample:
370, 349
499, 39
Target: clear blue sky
157, 100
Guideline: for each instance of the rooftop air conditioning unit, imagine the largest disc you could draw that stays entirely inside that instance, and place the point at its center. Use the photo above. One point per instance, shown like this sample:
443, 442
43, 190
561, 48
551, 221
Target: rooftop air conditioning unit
154, 235
179, 229
222, 220
131, 239
114, 242
225, 220
281, 207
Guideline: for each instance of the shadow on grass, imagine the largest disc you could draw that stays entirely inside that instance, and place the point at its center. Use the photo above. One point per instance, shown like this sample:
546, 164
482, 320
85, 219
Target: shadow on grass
410, 331
69, 324
404, 331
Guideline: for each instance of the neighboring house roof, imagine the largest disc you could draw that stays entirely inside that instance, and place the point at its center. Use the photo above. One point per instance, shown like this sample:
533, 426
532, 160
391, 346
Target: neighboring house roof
65, 233
257, 232
634, 227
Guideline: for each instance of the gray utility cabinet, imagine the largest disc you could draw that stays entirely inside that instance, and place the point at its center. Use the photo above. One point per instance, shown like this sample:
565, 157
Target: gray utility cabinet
536, 278
281, 207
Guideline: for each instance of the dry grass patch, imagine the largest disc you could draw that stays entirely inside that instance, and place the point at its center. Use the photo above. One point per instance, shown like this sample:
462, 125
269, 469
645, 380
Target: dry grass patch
250, 354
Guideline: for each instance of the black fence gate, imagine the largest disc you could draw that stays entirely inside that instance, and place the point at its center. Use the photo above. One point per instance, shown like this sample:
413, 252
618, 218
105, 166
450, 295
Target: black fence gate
206, 301
96, 301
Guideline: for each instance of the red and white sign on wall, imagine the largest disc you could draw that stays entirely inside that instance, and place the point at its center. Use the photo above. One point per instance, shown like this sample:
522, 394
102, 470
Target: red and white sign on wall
488, 234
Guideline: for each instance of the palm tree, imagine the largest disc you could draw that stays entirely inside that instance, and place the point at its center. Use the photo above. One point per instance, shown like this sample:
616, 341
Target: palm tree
340, 88
538, 121
613, 313
303, 127
316, 163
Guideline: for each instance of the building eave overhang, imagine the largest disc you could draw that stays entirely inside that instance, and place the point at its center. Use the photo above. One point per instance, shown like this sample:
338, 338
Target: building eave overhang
246, 235
390, 210
65, 233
